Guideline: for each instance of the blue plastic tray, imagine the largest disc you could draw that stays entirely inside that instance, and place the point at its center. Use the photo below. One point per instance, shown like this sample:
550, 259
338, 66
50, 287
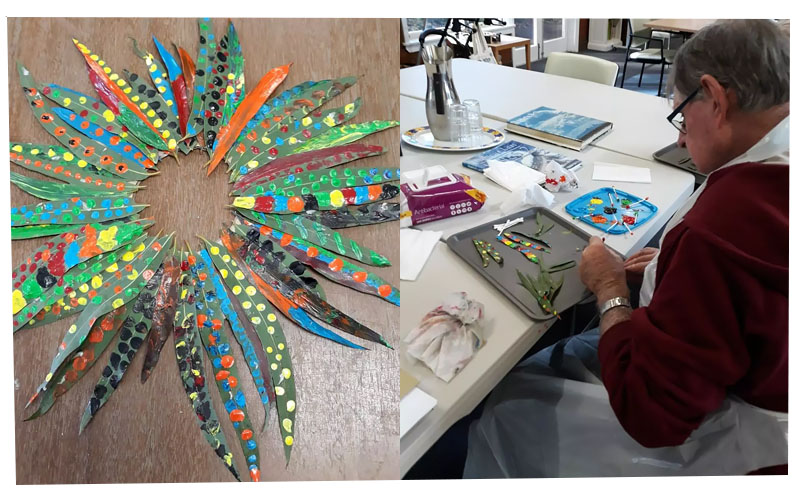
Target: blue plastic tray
588, 207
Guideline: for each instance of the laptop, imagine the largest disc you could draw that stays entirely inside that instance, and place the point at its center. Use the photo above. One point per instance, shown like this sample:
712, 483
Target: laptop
678, 157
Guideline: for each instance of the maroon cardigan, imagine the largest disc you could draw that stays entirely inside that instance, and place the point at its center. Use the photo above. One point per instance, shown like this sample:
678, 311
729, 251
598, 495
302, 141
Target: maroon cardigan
718, 322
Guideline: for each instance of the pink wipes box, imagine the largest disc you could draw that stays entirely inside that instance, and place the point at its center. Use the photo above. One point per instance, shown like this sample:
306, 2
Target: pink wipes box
440, 198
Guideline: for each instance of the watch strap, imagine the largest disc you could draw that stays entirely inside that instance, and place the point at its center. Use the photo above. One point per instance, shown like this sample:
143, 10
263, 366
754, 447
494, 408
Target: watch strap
612, 303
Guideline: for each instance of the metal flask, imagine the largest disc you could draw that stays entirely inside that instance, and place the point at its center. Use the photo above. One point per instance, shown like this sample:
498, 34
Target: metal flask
441, 93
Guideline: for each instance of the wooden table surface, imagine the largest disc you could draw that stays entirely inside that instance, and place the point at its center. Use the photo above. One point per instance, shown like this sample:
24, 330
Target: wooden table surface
682, 25
347, 415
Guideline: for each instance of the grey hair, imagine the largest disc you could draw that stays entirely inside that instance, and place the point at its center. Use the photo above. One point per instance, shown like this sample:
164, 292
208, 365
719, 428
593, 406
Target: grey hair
749, 56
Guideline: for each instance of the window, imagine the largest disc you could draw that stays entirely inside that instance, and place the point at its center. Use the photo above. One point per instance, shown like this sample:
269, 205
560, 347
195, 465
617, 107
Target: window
413, 26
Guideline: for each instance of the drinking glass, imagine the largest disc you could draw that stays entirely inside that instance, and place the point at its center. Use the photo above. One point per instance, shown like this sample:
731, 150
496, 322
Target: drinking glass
459, 124
474, 118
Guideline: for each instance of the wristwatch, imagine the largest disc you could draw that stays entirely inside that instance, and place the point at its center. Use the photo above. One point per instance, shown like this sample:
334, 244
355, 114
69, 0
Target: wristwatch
612, 303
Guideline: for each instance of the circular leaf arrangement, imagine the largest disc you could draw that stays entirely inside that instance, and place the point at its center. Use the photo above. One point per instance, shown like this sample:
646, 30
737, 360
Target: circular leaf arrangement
126, 290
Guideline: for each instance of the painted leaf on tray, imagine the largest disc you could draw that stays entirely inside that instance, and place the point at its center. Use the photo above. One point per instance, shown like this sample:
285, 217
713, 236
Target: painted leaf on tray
131, 337
81, 361
270, 334
189, 354
211, 332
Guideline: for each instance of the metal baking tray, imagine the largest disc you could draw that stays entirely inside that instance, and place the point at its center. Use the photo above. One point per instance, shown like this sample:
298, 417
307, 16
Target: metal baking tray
566, 243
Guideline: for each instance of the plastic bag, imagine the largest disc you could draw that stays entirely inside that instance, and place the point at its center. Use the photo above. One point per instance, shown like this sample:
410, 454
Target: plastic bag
559, 178
480, 49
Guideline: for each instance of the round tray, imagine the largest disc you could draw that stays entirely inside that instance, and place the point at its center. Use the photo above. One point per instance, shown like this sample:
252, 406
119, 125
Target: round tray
422, 137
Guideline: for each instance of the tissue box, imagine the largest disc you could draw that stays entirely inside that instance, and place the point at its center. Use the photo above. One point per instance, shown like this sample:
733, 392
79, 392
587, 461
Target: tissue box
440, 198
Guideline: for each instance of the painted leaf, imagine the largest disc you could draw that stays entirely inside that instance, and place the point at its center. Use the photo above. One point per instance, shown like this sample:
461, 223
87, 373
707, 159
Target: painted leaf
244, 332
88, 149
317, 234
161, 108
346, 134
121, 291
75, 282
244, 111
48, 190
131, 337
97, 113
189, 354
270, 333
329, 265
358, 215
41, 230
59, 163
325, 180
306, 162
319, 200
299, 106
43, 268
235, 88
164, 315
265, 262
202, 72
81, 361
217, 66
76, 209
211, 332
291, 134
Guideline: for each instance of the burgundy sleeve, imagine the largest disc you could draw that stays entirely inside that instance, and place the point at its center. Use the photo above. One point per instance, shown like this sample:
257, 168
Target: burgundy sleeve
669, 366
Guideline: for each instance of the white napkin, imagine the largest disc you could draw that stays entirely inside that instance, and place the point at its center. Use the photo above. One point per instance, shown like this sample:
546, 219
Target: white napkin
415, 248
415, 405
512, 175
559, 178
531, 196
622, 173
421, 176
448, 336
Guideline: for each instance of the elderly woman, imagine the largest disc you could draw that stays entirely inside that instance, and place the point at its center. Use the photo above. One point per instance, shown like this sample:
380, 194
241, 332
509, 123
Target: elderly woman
694, 380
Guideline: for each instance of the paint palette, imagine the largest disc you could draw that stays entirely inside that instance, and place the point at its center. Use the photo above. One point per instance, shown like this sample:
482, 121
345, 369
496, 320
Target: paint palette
610, 210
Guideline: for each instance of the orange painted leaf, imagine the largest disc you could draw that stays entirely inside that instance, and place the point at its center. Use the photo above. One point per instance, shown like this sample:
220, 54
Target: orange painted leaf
188, 68
244, 112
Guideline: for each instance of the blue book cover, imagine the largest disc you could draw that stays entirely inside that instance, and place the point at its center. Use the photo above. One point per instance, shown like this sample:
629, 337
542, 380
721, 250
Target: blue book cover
559, 123
530, 156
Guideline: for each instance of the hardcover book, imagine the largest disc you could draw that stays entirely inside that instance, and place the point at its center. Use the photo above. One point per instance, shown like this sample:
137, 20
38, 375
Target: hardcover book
558, 127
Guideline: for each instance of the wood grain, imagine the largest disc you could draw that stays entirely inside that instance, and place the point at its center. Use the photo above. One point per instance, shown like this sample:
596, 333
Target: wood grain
347, 421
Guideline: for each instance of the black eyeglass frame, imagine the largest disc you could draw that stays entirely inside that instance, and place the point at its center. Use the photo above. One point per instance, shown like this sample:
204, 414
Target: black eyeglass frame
677, 111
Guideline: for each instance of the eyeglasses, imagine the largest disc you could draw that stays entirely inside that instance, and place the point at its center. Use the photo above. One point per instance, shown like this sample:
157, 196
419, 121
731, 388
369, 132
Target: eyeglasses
676, 117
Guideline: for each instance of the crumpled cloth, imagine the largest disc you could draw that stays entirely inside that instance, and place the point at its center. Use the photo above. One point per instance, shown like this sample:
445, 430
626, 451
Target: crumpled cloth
531, 196
448, 336
558, 178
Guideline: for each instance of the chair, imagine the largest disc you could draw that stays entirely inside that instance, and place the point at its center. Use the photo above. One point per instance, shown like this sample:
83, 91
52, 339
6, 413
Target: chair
582, 67
638, 50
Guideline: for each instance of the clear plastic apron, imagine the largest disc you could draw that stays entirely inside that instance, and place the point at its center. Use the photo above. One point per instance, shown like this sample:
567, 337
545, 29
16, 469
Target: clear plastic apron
545, 420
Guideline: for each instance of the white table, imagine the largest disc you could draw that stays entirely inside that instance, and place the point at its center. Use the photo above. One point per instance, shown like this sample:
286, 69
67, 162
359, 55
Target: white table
503, 349
445, 272
669, 189
640, 124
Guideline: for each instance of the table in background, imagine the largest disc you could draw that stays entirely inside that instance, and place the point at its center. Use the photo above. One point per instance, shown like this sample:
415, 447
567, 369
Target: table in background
683, 26
445, 272
508, 42
347, 425
640, 120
